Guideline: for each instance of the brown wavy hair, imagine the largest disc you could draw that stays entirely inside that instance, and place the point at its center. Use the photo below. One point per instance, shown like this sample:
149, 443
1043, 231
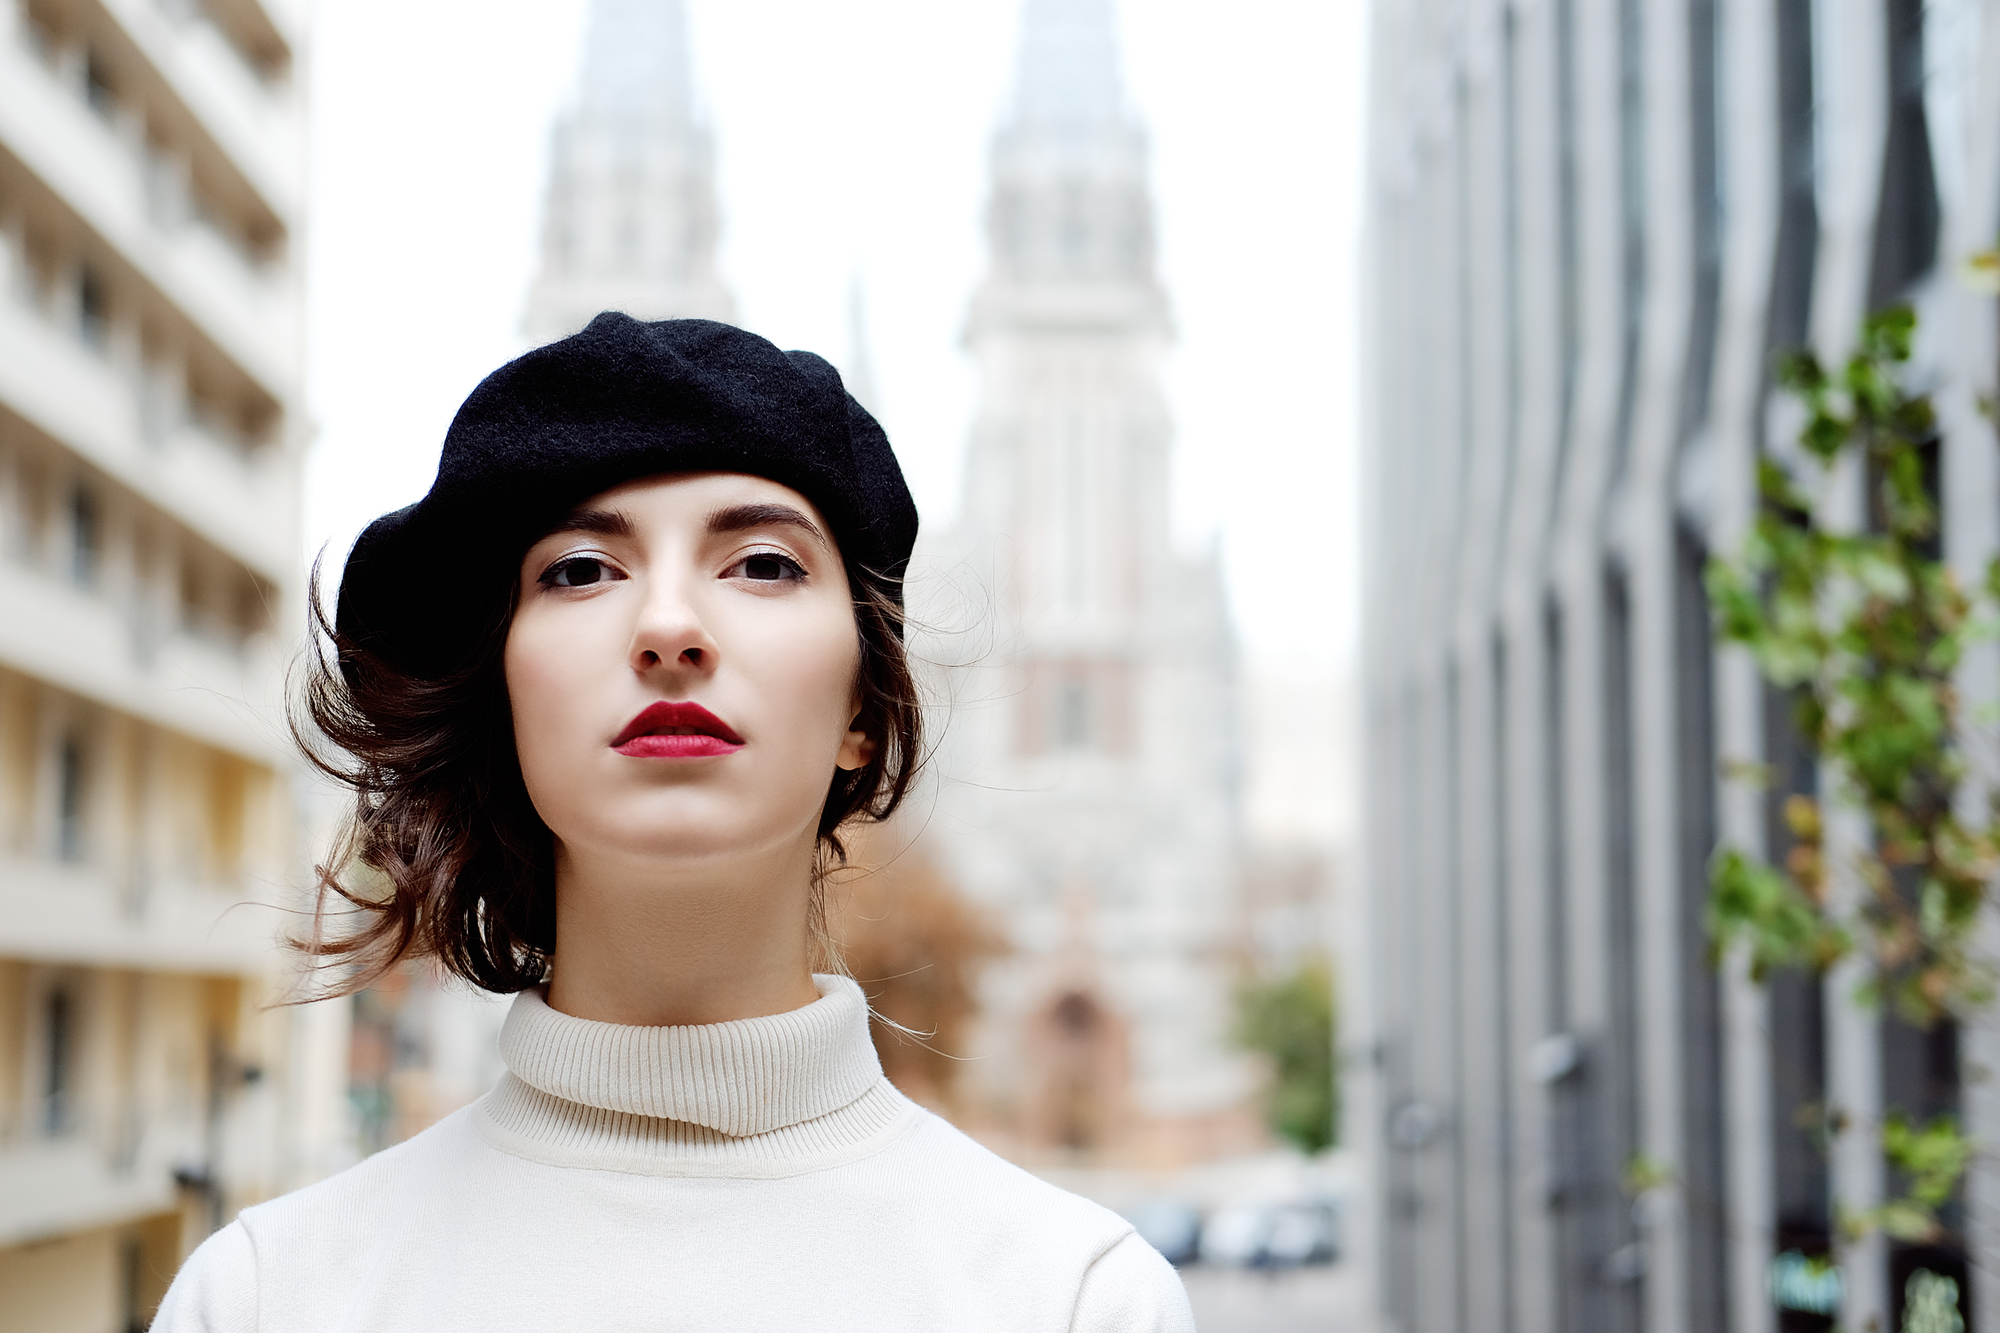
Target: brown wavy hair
444, 857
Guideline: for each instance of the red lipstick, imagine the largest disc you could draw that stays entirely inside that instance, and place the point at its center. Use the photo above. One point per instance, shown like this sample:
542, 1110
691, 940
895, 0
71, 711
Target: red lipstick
676, 731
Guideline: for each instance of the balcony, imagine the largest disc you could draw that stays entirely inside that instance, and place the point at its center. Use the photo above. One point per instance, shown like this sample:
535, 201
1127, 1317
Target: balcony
63, 1186
112, 654
84, 915
243, 502
114, 187
251, 121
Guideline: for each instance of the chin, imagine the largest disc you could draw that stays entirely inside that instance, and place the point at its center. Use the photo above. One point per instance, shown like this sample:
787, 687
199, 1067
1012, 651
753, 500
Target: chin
681, 826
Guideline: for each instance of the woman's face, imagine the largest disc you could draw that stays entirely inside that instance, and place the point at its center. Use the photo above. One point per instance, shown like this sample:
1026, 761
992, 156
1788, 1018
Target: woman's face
682, 668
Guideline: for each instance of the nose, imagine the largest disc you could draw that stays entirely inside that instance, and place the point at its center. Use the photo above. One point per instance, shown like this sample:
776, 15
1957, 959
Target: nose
669, 632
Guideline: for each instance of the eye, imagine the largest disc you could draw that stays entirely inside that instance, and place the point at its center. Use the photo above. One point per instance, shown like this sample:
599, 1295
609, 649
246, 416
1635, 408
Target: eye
579, 571
766, 567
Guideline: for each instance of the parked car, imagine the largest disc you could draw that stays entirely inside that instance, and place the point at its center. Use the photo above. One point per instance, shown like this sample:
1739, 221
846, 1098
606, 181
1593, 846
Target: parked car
1303, 1233
1272, 1235
1235, 1236
1171, 1226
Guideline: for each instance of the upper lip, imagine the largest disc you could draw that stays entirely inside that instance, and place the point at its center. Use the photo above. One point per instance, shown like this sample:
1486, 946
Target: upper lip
665, 718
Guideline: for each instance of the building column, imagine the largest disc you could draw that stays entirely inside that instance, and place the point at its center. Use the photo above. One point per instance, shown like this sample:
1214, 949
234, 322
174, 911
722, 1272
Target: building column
1958, 333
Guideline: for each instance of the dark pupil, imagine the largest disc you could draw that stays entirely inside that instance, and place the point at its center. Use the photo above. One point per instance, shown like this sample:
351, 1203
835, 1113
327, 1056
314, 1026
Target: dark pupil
579, 572
764, 567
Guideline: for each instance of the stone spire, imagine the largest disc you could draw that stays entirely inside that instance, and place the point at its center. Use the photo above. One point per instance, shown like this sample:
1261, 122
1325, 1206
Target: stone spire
629, 219
1091, 800
1070, 203
635, 64
1067, 78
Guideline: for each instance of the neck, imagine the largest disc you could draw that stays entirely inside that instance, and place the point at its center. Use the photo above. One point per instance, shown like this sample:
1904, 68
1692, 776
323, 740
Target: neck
648, 943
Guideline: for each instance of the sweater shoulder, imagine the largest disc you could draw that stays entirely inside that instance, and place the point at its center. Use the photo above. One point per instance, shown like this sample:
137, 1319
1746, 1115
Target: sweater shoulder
985, 1185
216, 1289
357, 1198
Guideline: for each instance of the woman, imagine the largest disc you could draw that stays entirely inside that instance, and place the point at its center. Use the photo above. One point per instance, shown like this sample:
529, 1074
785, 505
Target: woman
607, 696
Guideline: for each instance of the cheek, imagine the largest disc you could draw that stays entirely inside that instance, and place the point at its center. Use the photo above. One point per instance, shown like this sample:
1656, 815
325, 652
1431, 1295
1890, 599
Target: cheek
542, 693
814, 673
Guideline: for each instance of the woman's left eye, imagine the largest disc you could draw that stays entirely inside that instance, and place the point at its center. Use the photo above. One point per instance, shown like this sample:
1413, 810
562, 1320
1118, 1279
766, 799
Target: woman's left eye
766, 567
580, 571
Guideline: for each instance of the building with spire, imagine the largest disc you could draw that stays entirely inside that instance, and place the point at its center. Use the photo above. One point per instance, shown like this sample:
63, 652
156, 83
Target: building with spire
629, 217
1089, 792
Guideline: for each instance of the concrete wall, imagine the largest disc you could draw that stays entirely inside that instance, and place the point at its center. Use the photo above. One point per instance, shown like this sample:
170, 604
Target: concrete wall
1588, 233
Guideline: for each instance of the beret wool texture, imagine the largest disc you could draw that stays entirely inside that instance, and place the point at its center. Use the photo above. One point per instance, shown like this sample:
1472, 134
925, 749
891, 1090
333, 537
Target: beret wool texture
620, 400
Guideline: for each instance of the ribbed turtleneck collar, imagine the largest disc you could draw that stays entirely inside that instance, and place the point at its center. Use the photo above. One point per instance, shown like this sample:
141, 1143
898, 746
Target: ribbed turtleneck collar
760, 1096
742, 1078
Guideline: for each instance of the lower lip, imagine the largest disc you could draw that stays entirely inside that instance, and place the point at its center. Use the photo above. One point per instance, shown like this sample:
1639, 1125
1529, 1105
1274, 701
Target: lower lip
678, 747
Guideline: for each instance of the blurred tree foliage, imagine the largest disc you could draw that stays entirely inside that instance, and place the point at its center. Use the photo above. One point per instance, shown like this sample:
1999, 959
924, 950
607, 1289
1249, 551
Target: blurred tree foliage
1867, 630
1290, 1019
916, 945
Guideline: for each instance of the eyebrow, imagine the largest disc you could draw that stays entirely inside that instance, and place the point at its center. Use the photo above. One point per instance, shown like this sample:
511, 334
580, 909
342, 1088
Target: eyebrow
599, 522
735, 518
741, 518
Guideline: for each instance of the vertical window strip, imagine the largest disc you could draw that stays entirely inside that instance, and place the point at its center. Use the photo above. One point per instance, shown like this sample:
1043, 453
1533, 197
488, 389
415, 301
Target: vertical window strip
1704, 1186
1632, 197
1503, 970
1907, 215
1568, 207
1454, 887
1790, 311
1621, 1266
1706, 207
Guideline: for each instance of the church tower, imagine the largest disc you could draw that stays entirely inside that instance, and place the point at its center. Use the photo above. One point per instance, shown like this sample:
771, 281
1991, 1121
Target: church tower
629, 220
1091, 782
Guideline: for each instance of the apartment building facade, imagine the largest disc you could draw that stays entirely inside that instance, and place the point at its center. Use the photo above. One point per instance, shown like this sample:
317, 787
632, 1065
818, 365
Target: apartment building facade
151, 199
1593, 224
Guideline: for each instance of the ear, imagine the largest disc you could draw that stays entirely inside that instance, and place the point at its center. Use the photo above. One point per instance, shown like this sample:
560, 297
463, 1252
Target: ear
857, 747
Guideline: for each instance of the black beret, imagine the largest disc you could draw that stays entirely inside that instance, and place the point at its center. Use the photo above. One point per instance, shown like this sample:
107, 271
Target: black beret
618, 401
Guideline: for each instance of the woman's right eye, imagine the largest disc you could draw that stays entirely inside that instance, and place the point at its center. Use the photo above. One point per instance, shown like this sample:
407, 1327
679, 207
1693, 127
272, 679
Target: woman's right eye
578, 571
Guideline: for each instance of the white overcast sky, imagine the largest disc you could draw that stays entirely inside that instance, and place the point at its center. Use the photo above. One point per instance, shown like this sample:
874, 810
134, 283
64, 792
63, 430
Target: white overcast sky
851, 140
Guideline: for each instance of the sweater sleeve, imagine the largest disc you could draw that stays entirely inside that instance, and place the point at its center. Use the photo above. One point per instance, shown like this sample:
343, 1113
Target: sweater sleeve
1131, 1289
216, 1289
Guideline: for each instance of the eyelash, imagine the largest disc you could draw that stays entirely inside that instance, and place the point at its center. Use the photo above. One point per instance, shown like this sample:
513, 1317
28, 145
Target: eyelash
549, 576
795, 572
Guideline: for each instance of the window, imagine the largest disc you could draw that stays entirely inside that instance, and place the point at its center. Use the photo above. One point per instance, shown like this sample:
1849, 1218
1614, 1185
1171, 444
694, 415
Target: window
59, 1062
1798, 208
93, 313
69, 800
97, 88
1073, 714
1704, 1181
1907, 218
1074, 228
1076, 703
1619, 1256
84, 530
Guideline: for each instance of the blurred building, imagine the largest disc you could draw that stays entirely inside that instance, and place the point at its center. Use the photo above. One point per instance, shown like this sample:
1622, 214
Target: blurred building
629, 223
629, 219
1592, 226
1090, 768
151, 186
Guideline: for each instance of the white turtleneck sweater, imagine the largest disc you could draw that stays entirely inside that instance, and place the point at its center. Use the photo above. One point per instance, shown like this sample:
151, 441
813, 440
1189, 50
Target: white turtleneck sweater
761, 1174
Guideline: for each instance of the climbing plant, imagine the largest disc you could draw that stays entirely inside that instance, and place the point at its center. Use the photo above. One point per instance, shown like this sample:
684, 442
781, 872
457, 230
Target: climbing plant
1865, 629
